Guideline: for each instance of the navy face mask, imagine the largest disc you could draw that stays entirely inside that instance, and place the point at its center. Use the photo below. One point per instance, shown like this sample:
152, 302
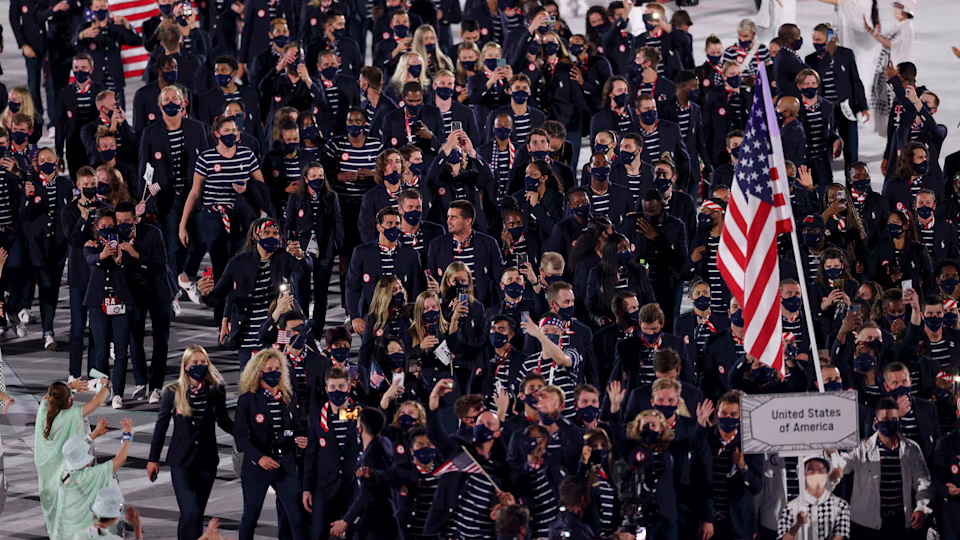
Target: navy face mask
600, 174
924, 212
933, 323
340, 353
425, 455
502, 133
649, 117
950, 319
520, 97
565, 313
649, 437
833, 273
920, 168
338, 397
833, 386
171, 109
581, 211
588, 414
443, 92
513, 290
704, 222
728, 425
666, 410
272, 378
406, 422
624, 257
198, 372
888, 428
792, 304
895, 229
498, 340
482, 434
809, 93
949, 285
898, 391
736, 318
864, 362
413, 217
861, 185
702, 303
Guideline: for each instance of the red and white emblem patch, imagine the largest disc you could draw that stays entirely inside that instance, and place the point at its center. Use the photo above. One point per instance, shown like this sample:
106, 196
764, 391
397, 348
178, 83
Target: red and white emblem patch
151, 117
278, 99
404, 491
706, 82
484, 31
478, 371
276, 174
722, 112
24, 9
600, 50
393, 140
300, 213
261, 13
531, 68
401, 450
721, 369
386, 35
259, 419
37, 199
458, 89
380, 332
640, 456
623, 48
439, 271
442, 191
323, 443
157, 155
686, 339
366, 277
344, 157
69, 114
955, 469
313, 21
217, 168
93, 46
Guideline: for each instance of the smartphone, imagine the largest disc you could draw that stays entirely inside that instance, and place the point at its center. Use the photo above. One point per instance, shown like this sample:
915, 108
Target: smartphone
456, 125
650, 17
906, 285
429, 273
208, 272
522, 259
842, 194
525, 315
397, 377
501, 62
353, 372
187, 9
830, 35
855, 308
153, 476
291, 236
463, 298
113, 240
838, 284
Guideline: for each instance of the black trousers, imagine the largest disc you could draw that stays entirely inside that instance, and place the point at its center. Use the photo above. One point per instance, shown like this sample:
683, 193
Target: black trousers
192, 486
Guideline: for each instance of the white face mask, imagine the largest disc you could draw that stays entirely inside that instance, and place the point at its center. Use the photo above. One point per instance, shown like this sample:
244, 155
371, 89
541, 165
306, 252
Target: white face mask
816, 481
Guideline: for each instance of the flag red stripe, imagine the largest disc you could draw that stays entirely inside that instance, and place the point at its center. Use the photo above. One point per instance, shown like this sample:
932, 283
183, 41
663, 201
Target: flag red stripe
135, 59
130, 4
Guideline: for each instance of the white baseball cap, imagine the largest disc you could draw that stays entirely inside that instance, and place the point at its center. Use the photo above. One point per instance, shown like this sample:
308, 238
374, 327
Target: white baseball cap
908, 6
108, 504
76, 454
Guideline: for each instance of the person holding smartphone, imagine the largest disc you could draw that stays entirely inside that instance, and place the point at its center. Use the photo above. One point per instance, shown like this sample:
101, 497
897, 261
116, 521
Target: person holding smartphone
111, 305
456, 116
835, 287
898, 256
438, 336
457, 174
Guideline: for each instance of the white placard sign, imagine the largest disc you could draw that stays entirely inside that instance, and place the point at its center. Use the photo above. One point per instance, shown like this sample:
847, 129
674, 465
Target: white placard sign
799, 422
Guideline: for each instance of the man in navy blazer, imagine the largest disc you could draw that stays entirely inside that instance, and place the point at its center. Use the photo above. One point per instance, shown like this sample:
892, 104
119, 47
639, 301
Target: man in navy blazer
695, 138
820, 162
366, 264
613, 108
666, 132
787, 65
443, 99
416, 123
839, 64
347, 92
792, 134
478, 251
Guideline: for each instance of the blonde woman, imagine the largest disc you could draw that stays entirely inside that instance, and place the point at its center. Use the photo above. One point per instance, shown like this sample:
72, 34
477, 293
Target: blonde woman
111, 187
411, 67
384, 318
425, 44
488, 87
19, 101
197, 402
468, 62
431, 335
266, 416
459, 300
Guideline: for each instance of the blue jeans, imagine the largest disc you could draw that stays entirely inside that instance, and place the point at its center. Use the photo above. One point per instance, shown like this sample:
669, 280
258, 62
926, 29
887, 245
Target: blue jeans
78, 327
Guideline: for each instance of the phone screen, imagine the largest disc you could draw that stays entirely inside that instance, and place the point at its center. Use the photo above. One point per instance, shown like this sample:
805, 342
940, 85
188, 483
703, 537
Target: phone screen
501, 62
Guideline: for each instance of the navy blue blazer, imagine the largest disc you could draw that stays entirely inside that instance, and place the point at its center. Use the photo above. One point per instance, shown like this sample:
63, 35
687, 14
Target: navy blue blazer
562, 171
669, 59
99, 269
45, 244
328, 226
127, 143
365, 272
484, 100
349, 96
719, 119
671, 141
327, 467
240, 276
537, 118
372, 202
564, 235
149, 273
155, 150
253, 431
632, 354
146, 111
618, 47
794, 142
846, 79
372, 496
672, 246
743, 487
695, 141
595, 70
663, 88
105, 51
68, 114
642, 396
723, 175
487, 263
639, 283
607, 120
77, 231
190, 69
827, 112
473, 180
190, 444
255, 35
898, 194
394, 130
463, 114
786, 67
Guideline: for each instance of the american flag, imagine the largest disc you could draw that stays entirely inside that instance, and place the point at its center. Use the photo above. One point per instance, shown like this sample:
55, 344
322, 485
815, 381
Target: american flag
136, 11
153, 188
283, 337
759, 210
376, 376
462, 462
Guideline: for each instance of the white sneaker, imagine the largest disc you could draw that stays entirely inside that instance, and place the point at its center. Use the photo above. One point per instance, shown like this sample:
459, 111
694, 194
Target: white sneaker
191, 288
52, 132
117, 402
49, 343
71, 378
21, 330
140, 392
113, 352
25, 316
154, 396
176, 307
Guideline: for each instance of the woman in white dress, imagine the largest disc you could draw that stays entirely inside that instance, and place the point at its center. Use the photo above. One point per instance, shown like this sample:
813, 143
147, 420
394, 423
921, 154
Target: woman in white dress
896, 47
773, 14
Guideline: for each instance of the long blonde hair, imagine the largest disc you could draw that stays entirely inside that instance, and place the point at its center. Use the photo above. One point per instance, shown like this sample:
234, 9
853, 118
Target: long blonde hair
666, 433
181, 386
400, 75
382, 296
419, 47
418, 329
26, 106
119, 192
453, 268
251, 376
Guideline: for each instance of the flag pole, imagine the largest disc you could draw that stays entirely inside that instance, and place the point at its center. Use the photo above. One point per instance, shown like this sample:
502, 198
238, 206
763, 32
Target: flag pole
778, 151
484, 471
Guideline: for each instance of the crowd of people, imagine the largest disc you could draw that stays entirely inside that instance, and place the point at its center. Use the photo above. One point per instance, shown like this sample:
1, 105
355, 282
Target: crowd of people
525, 369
